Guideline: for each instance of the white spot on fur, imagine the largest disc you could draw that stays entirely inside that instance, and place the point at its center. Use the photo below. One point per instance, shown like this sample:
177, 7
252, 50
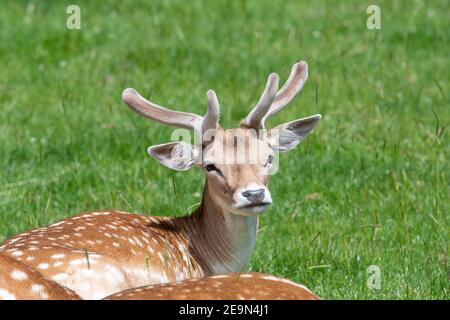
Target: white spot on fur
39, 289
220, 276
6, 295
77, 262
43, 266
19, 275
17, 253
60, 277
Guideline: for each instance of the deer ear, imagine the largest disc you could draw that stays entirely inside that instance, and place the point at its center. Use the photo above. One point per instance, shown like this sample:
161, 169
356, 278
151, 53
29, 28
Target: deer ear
174, 155
288, 135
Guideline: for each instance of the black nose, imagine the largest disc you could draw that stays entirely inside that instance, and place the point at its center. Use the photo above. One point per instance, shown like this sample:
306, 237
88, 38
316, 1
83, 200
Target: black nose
254, 196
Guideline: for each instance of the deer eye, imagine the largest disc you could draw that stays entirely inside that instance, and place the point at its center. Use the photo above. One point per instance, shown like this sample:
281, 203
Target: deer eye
211, 167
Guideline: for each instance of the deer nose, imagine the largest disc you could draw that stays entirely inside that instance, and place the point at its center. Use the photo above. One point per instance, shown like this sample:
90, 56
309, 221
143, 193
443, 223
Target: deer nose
254, 196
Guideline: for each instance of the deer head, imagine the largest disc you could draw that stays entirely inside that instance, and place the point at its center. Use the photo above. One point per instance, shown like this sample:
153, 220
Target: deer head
239, 161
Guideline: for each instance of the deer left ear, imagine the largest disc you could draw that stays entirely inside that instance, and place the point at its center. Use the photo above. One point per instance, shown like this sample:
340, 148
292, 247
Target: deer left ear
288, 135
175, 155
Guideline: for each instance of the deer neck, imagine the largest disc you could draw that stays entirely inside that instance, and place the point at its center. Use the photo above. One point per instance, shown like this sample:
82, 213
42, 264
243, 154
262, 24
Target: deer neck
221, 240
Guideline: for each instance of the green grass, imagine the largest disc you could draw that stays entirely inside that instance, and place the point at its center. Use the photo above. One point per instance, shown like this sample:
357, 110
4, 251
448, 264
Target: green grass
370, 186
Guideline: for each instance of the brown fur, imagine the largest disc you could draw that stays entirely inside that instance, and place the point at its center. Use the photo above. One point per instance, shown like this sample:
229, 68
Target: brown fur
21, 282
231, 286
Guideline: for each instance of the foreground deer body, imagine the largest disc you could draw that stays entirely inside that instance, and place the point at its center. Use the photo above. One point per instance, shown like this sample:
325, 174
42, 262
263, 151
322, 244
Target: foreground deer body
99, 253
229, 286
18, 281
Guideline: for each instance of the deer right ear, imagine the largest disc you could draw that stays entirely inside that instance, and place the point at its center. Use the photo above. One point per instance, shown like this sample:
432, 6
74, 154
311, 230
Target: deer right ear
288, 135
175, 155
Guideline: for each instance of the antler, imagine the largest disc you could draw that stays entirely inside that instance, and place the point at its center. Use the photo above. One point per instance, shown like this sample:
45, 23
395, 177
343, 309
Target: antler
268, 105
174, 118
255, 117
211, 119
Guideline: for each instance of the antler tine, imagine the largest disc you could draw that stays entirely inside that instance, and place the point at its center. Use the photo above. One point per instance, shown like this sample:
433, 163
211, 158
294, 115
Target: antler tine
155, 112
211, 119
295, 82
255, 117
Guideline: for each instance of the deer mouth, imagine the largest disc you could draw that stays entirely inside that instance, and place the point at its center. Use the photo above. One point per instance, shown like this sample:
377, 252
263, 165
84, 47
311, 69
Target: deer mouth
255, 207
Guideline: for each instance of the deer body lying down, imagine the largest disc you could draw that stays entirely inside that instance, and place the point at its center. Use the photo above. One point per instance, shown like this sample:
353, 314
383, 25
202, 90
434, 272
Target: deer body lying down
99, 253
18, 281
228, 286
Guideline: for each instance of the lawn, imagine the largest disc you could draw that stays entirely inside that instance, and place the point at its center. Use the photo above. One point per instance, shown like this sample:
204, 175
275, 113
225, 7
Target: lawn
370, 186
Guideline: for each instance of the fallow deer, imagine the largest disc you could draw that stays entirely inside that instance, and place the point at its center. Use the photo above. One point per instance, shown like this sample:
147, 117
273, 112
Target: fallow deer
99, 253
228, 286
